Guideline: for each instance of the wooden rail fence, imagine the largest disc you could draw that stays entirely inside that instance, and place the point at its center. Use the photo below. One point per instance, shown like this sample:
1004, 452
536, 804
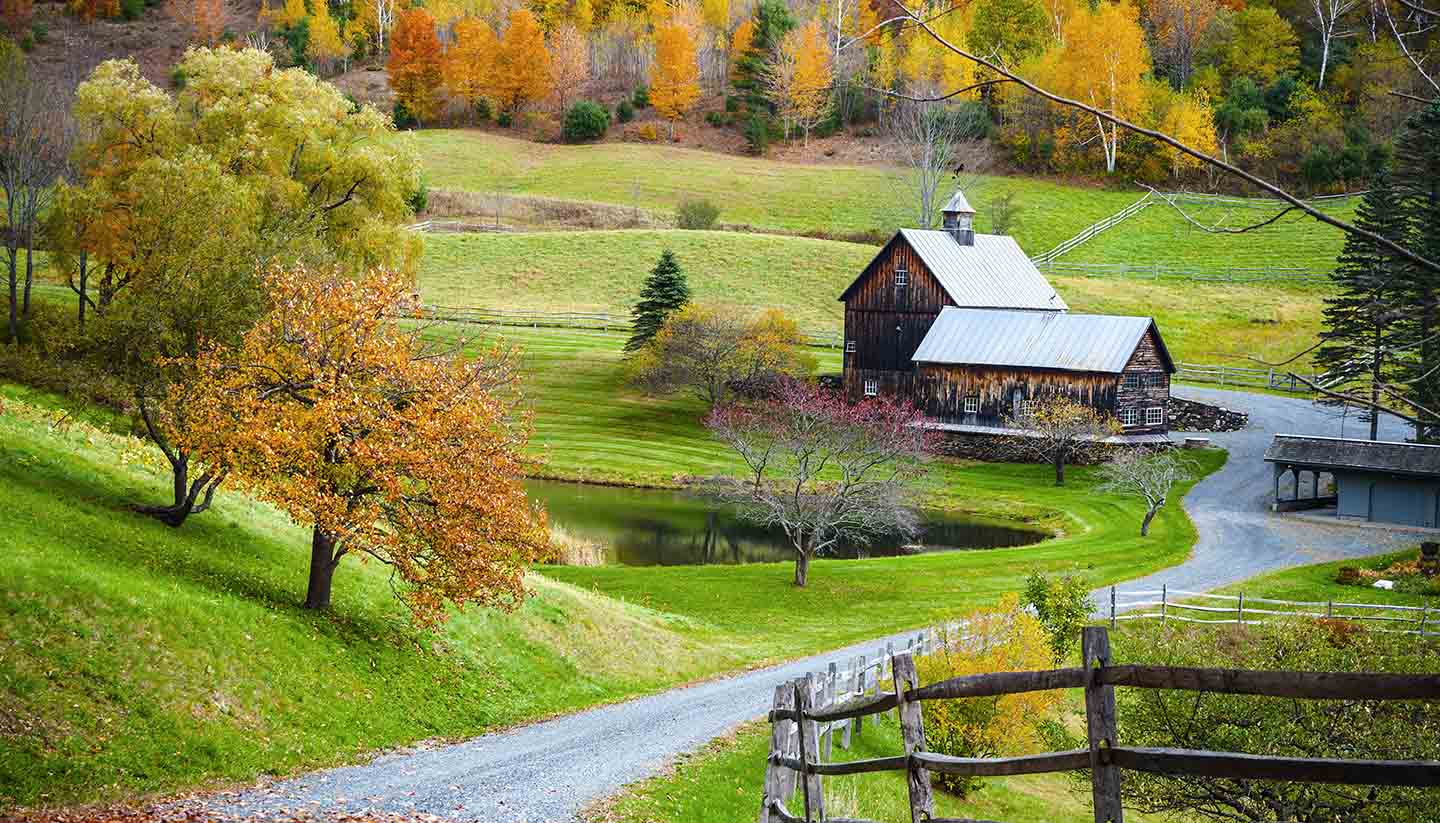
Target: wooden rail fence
1095, 228
1242, 377
796, 764
1162, 604
1165, 271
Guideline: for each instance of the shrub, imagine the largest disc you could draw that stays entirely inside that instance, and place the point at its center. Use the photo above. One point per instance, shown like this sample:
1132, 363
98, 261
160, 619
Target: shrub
1348, 576
419, 199
648, 131
1062, 605
505, 120
696, 214
41, 31
178, 78
1004, 638
482, 110
732, 103
757, 135
586, 120
132, 9
625, 112
27, 42
403, 118
641, 97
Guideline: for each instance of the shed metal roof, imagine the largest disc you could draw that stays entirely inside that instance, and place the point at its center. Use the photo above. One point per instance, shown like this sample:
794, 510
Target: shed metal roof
1385, 456
994, 273
1038, 340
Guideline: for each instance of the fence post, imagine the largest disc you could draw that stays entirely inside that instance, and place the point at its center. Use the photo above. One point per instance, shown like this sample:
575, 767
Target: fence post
1329, 609
912, 731
887, 667
1240, 609
1112, 607
809, 752
1164, 602
828, 698
775, 781
1424, 618
1100, 727
852, 691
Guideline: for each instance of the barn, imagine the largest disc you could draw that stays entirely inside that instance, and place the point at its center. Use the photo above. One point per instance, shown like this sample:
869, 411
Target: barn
1368, 480
966, 327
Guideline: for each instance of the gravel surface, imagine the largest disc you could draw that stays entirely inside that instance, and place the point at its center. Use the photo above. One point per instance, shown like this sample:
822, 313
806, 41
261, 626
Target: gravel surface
549, 771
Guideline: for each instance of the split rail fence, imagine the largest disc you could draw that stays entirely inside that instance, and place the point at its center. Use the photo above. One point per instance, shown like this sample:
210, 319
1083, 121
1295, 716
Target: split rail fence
1165, 271
1227, 608
797, 765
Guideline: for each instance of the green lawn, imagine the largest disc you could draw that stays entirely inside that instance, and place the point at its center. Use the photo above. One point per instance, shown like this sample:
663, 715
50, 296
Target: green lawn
796, 197
1316, 583
604, 270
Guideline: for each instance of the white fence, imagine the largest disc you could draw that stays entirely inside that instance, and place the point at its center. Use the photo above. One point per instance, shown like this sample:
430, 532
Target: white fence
1242, 377
592, 320
1164, 271
1165, 603
1095, 228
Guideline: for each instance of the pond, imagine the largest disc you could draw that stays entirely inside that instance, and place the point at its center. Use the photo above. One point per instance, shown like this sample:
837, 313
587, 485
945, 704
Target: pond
649, 527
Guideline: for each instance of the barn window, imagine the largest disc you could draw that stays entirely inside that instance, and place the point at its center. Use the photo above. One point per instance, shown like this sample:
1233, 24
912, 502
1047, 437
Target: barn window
1132, 381
972, 404
902, 277
1155, 379
1129, 417
850, 346
1155, 415
1027, 409
872, 388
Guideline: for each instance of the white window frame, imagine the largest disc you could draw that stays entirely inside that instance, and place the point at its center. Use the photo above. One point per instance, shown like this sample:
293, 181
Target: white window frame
872, 388
1132, 380
849, 346
1155, 380
1155, 416
902, 277
972, 404
1027, 409
1129, 416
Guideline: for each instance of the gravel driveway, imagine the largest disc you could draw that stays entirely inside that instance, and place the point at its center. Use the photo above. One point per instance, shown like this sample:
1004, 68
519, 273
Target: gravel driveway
549, 771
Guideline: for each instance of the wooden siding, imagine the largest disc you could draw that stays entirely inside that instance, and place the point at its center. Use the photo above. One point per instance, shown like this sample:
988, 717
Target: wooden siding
941, 391
886, 322
1153, 389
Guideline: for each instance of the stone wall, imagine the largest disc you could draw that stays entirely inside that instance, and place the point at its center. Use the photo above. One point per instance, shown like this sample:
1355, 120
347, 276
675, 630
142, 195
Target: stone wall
1194, 416
1000, 447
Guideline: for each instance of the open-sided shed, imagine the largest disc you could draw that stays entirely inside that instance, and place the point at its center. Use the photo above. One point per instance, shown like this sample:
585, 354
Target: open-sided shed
1373, 480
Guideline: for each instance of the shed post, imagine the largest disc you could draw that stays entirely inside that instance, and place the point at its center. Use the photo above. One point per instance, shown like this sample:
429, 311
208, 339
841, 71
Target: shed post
1100, 727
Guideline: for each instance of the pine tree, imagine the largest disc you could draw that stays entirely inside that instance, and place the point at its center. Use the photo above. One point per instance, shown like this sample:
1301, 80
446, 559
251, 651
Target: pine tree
665, 291
1366, 334
1417, 179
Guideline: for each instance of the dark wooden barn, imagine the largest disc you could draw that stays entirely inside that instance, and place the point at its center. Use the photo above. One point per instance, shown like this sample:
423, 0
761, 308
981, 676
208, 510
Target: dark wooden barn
965, 326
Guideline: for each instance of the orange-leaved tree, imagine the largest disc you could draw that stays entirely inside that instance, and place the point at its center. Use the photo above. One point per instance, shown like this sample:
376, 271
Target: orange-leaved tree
358, 427
522, 65
469, 66
675, 76
742, 43
414, 65
570, 62
204, 18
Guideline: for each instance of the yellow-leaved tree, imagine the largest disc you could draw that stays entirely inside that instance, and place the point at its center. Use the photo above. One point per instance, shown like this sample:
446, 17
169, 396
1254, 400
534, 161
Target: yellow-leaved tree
1189, 119
469, 66
326, 45
808, 96
292, 13
742, 43
522, 64
1001, 638
1103, 63
675, 76
569, 62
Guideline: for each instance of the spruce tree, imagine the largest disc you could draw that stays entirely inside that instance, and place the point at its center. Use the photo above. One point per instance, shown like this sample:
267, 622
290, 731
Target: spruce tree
665, 291
1366, 335
1417, 180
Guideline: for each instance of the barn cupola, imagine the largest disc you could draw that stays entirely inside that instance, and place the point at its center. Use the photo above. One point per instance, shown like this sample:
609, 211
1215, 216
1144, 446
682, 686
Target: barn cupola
959, 219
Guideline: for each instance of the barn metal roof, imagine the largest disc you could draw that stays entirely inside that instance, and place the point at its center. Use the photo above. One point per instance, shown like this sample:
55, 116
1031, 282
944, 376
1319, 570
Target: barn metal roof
994, 273
1364, 455
1037, 340
958, 203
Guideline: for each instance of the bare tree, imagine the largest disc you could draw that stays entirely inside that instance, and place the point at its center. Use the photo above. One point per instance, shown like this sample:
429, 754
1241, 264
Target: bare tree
34, 151
1147, 475
1329, 15
1058, 430
820, 469
933, 146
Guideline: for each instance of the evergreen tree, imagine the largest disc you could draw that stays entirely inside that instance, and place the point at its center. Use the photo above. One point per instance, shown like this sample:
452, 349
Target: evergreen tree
772, 21
1417, 180
1366, 335
665, 291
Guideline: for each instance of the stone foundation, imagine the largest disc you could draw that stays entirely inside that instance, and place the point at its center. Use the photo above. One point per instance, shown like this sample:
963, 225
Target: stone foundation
999, 447
1193, 416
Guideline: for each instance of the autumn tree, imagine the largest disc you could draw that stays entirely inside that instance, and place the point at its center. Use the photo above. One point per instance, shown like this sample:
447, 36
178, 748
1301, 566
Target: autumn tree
675, 76
1189, 118
386, 447
291, 13
1103, 63
204, 18
1260, 45
803, 84
1011, 30
325, 46
414, 64
469, 66
713, 352
280, 159
820, 469
523, 71
16, 14
569, 62
742, 44
1179, 28
1059, 431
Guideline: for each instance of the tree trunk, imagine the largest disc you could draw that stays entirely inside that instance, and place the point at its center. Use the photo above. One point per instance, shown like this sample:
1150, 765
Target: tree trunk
323, 560
84, 276
802, 568
29, 274
1059, 469
189, 497
14, 304
1145, 524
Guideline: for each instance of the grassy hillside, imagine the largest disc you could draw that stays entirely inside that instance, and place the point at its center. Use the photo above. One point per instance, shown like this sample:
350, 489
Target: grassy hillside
797, 197
603, 270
